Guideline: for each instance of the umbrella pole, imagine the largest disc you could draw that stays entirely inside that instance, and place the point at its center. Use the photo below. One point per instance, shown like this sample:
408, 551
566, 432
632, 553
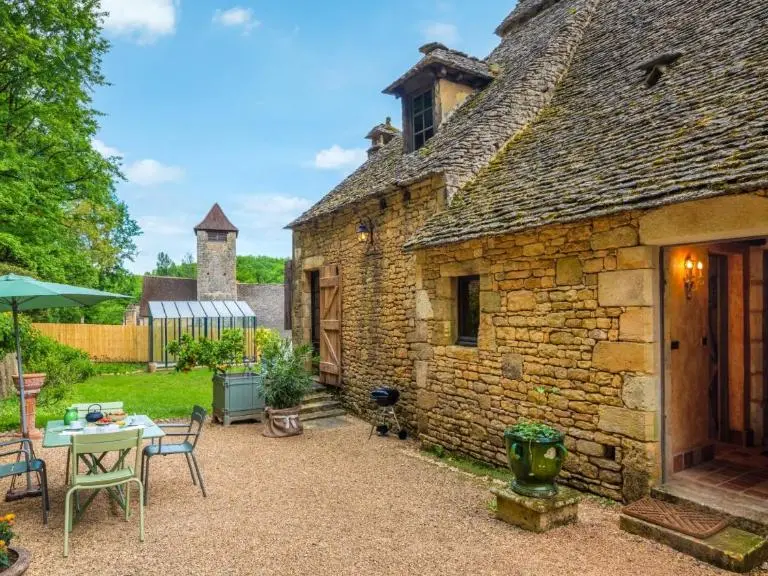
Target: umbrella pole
24, 431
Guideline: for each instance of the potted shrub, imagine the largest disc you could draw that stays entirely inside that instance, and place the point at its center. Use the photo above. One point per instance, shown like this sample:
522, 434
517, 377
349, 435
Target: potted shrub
286, 380
237, 395
13, 559
536, 454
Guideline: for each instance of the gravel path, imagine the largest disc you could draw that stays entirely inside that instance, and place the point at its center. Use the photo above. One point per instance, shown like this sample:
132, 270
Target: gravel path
328, 502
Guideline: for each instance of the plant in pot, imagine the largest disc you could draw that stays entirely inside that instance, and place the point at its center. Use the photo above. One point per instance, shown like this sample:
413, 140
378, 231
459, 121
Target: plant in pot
536, 453
237, 395
286, 380
13, 559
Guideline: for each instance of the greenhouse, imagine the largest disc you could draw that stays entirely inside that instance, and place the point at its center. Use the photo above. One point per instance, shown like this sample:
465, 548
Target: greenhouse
168, 321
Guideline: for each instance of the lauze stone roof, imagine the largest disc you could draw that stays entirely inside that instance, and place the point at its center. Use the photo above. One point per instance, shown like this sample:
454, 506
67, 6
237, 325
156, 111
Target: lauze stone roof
216, 221
572, 127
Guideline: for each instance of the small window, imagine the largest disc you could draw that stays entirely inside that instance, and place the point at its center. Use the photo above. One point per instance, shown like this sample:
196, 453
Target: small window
423, 119
468, 295
217, 236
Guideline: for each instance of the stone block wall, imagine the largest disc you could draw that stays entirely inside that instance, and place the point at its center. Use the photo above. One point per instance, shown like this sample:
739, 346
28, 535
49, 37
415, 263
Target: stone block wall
377, 290
268, 302
216, 268
567, 336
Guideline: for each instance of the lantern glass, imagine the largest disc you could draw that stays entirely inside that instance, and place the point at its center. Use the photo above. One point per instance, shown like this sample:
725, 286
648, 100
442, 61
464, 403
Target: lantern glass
363, 233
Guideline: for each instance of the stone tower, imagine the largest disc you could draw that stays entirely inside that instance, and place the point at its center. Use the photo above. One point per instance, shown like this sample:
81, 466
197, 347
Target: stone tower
216, 257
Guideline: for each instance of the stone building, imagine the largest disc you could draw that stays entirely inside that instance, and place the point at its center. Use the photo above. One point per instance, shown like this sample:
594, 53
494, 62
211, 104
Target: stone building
217, 276
572, 230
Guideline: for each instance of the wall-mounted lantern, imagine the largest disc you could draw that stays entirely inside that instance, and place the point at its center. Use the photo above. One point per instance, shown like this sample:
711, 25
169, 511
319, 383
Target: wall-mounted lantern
365, 232
693, 275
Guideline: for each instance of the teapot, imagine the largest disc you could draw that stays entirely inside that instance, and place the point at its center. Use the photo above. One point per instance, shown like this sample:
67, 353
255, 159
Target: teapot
94, 413
70, 416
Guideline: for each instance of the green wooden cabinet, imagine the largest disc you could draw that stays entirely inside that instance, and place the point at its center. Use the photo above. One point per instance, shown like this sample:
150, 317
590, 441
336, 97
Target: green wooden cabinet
237, 397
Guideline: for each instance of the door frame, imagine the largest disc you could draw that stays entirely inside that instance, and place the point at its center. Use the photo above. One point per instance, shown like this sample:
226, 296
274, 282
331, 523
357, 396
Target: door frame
736, 246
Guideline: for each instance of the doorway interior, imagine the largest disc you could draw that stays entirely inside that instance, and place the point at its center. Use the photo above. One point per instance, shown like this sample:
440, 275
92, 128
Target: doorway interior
715, 350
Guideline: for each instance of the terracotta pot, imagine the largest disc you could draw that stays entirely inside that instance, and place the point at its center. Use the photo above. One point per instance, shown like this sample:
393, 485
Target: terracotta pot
282, 423
20, 559
33, 382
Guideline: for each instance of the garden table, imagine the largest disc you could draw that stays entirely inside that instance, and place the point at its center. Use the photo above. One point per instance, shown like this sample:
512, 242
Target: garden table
58, 435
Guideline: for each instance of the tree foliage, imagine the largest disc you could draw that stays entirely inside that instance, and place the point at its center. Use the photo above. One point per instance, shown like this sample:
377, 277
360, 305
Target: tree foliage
260, 270
60, 218
250, 269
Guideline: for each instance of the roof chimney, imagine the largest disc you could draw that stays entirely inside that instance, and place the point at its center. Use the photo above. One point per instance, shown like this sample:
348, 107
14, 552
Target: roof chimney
381, 135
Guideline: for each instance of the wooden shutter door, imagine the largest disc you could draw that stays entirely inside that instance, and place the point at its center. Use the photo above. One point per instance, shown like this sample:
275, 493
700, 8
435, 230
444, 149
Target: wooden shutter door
330, 325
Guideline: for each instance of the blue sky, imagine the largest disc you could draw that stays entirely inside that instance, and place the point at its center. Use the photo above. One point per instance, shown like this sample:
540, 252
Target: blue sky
260, 106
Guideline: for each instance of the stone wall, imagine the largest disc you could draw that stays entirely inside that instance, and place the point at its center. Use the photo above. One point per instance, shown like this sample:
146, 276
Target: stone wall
566, 337
216, 264
569, 328
377, 288
268, 302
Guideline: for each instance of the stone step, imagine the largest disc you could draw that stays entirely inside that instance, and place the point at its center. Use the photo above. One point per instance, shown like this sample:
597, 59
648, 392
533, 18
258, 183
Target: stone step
309, 407
731, 549
319, 397
322, 414
745, 513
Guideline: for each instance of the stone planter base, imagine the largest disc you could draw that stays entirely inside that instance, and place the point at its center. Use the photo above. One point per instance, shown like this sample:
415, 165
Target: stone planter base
33, 383
282, 423
537, 514
20, 559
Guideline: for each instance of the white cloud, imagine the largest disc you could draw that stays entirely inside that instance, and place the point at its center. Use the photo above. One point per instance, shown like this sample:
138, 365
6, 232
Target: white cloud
165, 226
262, 211
142, 20
440, 32
150, 172
337, 158
236, 17
104, 150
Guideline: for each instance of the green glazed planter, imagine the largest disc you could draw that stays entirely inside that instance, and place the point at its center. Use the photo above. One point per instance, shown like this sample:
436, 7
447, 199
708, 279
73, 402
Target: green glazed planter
535, 464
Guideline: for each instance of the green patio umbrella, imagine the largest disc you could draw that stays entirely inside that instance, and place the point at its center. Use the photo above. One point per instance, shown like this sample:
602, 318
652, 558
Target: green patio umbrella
21, 294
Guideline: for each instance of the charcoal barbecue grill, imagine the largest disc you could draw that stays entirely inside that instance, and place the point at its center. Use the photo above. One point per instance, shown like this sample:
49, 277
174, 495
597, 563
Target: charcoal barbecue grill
385, 399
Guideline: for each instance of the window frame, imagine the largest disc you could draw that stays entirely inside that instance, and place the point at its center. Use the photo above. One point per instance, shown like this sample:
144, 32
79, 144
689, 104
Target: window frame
217, 236
466, 335
427, 115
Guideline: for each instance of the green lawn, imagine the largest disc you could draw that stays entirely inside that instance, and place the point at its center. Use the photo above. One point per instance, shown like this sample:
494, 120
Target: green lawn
159, 395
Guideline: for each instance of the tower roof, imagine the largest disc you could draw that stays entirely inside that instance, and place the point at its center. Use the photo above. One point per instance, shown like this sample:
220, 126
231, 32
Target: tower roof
216, 221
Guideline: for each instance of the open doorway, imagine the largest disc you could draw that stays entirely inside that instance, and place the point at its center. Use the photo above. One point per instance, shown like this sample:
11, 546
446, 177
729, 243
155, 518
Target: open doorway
314, 298
715, 349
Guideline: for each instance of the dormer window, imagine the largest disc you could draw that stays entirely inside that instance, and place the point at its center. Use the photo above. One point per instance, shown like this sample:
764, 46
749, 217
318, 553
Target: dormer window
423, 119
434, 88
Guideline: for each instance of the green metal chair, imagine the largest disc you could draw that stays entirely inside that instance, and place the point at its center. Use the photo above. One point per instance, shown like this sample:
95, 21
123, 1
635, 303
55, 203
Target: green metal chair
82, 410
191, 435
25, 463
91, 448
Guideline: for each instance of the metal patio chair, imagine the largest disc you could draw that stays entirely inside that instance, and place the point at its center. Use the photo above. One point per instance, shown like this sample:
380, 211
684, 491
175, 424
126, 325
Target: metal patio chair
91, 449
191, 435
25, 463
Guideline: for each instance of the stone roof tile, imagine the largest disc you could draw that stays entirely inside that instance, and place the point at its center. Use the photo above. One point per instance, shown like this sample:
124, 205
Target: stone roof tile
530, 63
608, 142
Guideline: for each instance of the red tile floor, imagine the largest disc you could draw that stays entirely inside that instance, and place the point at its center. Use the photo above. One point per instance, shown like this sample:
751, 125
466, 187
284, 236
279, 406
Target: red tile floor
741, 470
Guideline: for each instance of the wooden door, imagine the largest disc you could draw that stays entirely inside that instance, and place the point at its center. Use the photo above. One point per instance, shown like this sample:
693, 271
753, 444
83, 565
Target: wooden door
330, 325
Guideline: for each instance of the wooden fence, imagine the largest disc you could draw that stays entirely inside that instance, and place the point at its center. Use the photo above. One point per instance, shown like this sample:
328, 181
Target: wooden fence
103, 343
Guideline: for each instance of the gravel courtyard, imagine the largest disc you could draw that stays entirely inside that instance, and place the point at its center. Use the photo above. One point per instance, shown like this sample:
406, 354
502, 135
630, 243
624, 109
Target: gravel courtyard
329, 502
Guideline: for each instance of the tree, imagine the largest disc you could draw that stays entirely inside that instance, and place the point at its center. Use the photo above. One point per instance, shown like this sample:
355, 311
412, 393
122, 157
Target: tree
167, 267
60, 218
260, 270
164, 265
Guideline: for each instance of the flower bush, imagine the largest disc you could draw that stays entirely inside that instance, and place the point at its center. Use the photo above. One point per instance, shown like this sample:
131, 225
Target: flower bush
6, 535
219, 356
